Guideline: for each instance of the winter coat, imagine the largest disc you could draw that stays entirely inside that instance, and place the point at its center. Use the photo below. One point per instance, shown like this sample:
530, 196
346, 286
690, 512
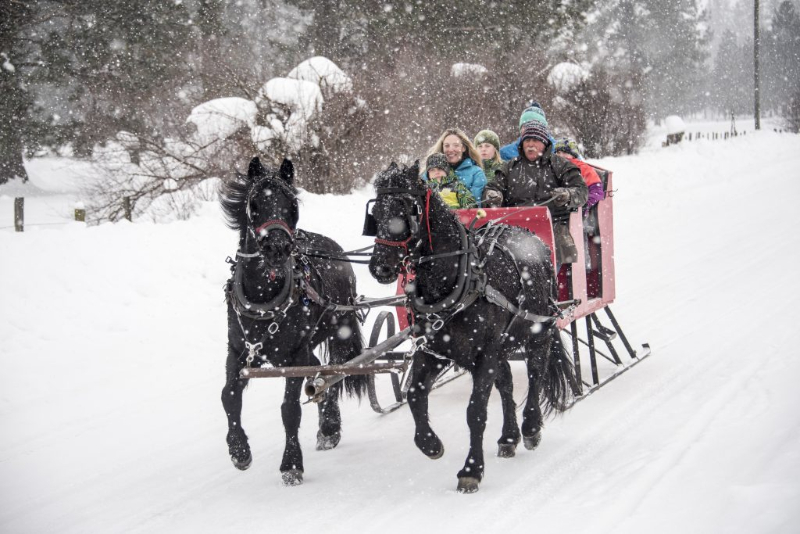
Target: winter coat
591, 178
490, 167
523, 182
472, 176
510, 151
453, 191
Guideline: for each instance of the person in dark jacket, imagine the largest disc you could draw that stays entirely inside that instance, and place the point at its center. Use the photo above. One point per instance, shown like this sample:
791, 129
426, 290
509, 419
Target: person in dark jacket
536, 176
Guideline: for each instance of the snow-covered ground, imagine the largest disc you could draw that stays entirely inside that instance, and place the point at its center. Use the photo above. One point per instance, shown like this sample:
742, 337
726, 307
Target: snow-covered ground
113, 347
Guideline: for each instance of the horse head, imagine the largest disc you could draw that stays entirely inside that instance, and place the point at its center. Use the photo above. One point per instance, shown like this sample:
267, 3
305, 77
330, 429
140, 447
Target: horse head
395, 220
272, 211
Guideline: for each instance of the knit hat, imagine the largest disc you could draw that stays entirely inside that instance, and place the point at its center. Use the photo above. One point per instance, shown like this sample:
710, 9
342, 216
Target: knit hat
565, 144
533, 113
437, 160
487, 136
535, 130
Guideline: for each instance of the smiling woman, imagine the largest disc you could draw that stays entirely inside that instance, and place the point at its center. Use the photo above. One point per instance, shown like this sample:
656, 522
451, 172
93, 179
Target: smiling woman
463, 158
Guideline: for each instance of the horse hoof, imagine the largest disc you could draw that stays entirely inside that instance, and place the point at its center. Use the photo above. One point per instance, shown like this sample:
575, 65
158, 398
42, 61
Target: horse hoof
326, 443
507, 450
243, 464
434, 454
292, 477
532, 441
468, 484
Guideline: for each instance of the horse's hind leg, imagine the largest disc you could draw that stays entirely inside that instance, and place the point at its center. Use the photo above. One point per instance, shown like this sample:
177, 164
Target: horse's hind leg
509, 439
238, 447
423, 372
471, 474
291, 413
532, 419
330, 422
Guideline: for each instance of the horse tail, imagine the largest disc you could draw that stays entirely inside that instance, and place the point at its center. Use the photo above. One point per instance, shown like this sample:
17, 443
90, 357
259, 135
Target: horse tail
348, 344
559, 383
356, 385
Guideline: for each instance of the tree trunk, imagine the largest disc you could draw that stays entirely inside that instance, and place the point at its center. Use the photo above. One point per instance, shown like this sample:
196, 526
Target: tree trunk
11, 165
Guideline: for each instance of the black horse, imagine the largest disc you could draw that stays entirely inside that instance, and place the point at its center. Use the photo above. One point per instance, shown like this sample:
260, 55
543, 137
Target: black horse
271, 318
478, 297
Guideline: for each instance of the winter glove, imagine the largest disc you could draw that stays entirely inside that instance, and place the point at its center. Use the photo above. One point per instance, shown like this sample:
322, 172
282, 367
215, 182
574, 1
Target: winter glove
560, 196
492, 198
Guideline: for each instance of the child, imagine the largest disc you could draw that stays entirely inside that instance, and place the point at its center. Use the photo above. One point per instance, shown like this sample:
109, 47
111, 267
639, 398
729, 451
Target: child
441, 178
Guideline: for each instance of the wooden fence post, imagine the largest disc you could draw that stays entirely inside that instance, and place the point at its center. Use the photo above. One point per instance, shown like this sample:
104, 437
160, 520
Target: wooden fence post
19, 214
126, 205
80, 212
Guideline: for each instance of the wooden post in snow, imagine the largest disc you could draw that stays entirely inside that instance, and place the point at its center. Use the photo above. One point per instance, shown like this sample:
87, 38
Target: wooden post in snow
19, 214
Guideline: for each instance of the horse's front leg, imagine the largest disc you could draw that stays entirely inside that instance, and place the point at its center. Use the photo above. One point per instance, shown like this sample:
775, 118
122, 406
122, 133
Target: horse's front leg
483, 378
291, 413
238, 447
424, 371
509, 439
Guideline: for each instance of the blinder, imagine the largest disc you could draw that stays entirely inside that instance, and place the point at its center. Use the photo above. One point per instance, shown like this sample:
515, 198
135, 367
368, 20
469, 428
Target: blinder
370, 224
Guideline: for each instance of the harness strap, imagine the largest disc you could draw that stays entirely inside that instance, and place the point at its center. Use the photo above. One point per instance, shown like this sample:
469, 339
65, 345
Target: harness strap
497, 298
274, 222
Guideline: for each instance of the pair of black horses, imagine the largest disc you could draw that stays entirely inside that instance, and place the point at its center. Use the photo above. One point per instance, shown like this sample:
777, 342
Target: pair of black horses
272, 319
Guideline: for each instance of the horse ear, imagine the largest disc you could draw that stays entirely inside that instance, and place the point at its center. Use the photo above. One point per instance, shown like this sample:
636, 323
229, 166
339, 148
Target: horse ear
392, 167
415, 168
255, 168
287, 171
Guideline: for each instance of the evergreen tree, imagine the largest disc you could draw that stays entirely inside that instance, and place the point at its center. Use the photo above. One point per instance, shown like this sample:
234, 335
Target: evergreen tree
128, 59
15, 111
782, 56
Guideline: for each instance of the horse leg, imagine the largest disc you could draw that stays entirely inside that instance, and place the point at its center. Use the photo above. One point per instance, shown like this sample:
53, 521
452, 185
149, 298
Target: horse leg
509, 439
532, 419
291, 413
423, 373
238, 447
483, 379
330, 422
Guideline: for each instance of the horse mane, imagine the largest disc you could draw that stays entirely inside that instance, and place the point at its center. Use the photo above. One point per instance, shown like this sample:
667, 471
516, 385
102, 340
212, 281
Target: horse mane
233, 198
395, 176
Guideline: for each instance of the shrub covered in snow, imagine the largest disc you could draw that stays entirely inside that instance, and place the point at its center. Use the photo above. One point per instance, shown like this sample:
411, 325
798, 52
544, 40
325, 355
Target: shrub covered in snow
308, 116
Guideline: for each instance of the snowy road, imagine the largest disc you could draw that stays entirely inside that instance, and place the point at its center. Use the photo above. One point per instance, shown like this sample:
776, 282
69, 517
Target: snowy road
113, 346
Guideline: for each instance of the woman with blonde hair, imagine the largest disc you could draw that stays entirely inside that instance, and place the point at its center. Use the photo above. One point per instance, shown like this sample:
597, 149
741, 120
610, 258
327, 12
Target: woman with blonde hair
463, 158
